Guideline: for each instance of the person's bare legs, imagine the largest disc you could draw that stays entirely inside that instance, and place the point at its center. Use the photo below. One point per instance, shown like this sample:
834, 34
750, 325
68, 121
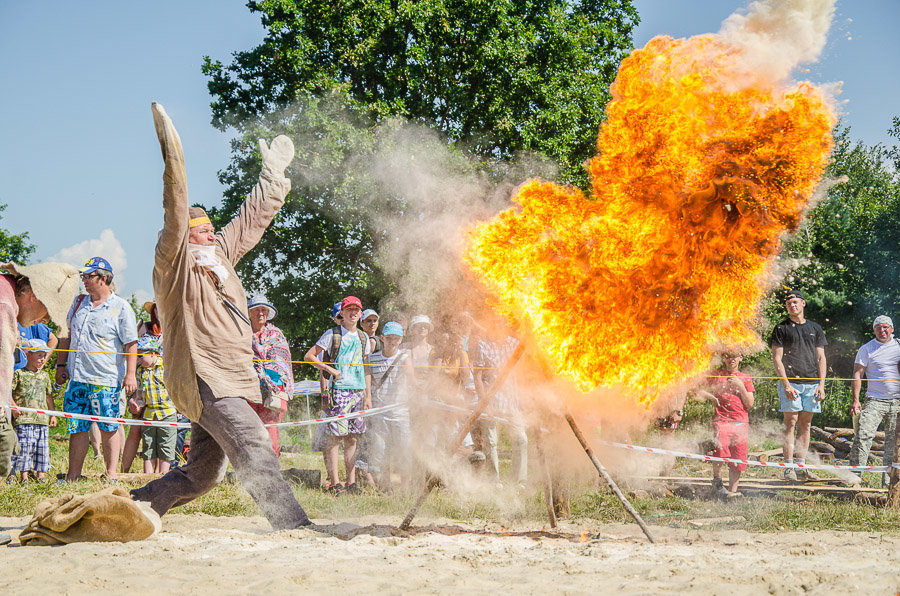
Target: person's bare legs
804, 421
330, 454
162, 466
129, 451
349, 458
787, 442
95, 439
733, 477
111, 443
78, 448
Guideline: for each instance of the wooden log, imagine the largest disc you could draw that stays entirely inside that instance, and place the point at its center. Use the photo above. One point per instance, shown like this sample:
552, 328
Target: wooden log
764, 456
818, 433
847, 433
821, 446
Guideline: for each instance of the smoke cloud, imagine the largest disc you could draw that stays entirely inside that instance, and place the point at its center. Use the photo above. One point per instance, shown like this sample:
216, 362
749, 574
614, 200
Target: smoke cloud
775, 36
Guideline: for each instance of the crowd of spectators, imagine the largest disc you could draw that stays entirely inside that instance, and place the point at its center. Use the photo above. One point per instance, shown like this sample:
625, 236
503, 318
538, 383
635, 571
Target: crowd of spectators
112, 364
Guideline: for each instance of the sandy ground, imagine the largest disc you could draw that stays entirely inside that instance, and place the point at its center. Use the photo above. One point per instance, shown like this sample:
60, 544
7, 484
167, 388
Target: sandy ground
236, 555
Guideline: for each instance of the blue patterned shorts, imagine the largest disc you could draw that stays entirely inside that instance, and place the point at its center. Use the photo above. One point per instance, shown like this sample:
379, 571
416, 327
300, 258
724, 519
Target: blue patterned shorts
91, 400
34, 448
343, 402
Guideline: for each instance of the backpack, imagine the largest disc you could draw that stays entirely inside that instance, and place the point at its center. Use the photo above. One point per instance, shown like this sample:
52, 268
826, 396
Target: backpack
336, 344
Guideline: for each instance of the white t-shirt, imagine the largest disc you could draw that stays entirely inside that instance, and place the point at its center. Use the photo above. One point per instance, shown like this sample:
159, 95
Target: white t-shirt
880, 360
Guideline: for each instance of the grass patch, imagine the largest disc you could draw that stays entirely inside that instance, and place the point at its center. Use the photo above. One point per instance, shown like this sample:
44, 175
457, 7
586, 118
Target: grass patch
589, 502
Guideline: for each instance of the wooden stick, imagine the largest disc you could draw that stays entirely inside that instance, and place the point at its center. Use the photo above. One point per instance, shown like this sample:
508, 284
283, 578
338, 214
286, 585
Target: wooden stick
548, 482
467, 426
605, 475
894, 489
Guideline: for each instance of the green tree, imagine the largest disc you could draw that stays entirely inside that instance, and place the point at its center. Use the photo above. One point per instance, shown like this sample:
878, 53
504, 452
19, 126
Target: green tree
844, 258
14, 247
495, 80
500, 76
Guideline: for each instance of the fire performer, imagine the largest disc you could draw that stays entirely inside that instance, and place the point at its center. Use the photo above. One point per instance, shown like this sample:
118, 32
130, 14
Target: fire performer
208, 339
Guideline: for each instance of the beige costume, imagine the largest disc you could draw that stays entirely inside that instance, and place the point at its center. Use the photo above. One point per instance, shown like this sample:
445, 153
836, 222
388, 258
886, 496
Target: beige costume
202, 335
208, 344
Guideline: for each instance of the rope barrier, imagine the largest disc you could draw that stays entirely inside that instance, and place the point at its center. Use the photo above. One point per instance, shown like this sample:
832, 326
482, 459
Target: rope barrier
448, 367
134, 422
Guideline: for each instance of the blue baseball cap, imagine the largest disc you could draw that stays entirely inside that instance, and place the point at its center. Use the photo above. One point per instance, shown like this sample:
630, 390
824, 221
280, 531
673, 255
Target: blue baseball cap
335, 310
392, 328
96, 264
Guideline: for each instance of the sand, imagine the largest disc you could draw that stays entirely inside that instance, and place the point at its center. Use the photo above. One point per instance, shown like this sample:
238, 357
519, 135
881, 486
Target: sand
203, 554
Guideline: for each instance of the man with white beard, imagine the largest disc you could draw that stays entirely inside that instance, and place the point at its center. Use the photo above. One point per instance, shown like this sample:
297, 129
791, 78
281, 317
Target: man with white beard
208, 338
878, 359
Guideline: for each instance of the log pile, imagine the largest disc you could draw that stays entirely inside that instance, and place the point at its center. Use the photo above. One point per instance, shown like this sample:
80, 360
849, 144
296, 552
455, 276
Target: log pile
841, 439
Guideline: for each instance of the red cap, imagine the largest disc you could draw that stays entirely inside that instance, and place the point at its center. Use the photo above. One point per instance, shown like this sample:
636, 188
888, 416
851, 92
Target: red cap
351, 301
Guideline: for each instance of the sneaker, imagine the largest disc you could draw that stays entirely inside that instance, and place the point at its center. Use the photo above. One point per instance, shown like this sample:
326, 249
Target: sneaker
717, 483
722, 493
807, 475
336, 489
790, 475
733, 496
477, 457
853, 481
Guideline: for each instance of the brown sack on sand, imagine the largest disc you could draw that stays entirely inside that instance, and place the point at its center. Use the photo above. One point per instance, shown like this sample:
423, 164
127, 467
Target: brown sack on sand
106, 516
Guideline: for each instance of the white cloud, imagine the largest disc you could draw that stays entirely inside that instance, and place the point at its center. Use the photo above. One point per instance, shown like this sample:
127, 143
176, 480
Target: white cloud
106, 246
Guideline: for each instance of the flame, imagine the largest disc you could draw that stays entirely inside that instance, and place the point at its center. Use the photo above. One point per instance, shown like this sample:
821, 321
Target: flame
701, 168
584, 534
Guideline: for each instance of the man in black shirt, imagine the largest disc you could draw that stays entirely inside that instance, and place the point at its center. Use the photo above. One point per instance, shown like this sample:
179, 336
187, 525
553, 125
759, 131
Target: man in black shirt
798, 351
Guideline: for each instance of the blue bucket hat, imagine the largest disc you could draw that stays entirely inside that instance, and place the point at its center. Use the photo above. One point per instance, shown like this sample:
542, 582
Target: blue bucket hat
392, 328
96, 264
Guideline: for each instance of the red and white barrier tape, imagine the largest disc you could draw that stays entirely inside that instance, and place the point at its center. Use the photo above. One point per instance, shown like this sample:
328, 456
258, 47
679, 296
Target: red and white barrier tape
373, 411
729, 460
133, 422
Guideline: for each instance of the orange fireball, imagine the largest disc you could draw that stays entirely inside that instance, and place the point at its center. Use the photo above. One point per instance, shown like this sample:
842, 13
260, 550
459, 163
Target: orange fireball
701, 168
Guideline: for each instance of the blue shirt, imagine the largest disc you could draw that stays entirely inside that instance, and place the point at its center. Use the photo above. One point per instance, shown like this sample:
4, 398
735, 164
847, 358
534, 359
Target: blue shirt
107, 327
36, 331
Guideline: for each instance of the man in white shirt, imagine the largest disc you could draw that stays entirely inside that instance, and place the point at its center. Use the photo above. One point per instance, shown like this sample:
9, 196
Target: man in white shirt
878, 359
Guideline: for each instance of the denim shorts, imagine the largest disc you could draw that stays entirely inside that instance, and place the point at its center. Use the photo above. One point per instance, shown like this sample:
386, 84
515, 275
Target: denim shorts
91, 400
805, 402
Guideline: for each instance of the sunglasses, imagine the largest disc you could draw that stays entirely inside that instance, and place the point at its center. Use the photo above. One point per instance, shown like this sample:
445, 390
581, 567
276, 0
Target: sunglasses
89, 275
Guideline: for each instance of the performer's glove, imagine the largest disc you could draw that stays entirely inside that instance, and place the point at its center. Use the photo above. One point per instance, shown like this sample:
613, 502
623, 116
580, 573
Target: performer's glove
277, 157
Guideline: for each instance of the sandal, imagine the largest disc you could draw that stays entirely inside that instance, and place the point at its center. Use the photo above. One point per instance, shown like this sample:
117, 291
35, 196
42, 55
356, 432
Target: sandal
336, 489
353, 489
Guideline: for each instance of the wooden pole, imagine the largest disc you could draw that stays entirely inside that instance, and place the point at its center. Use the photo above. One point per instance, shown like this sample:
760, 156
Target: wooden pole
548, 482
467, 426
894, 490
605, 475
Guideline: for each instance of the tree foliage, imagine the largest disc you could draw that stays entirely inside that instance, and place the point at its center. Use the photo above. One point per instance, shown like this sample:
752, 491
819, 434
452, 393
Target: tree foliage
494, 79
14, 247
844, 257
500, 76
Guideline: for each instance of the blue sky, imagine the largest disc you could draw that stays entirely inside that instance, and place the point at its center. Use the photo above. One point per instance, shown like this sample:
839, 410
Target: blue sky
79, 162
